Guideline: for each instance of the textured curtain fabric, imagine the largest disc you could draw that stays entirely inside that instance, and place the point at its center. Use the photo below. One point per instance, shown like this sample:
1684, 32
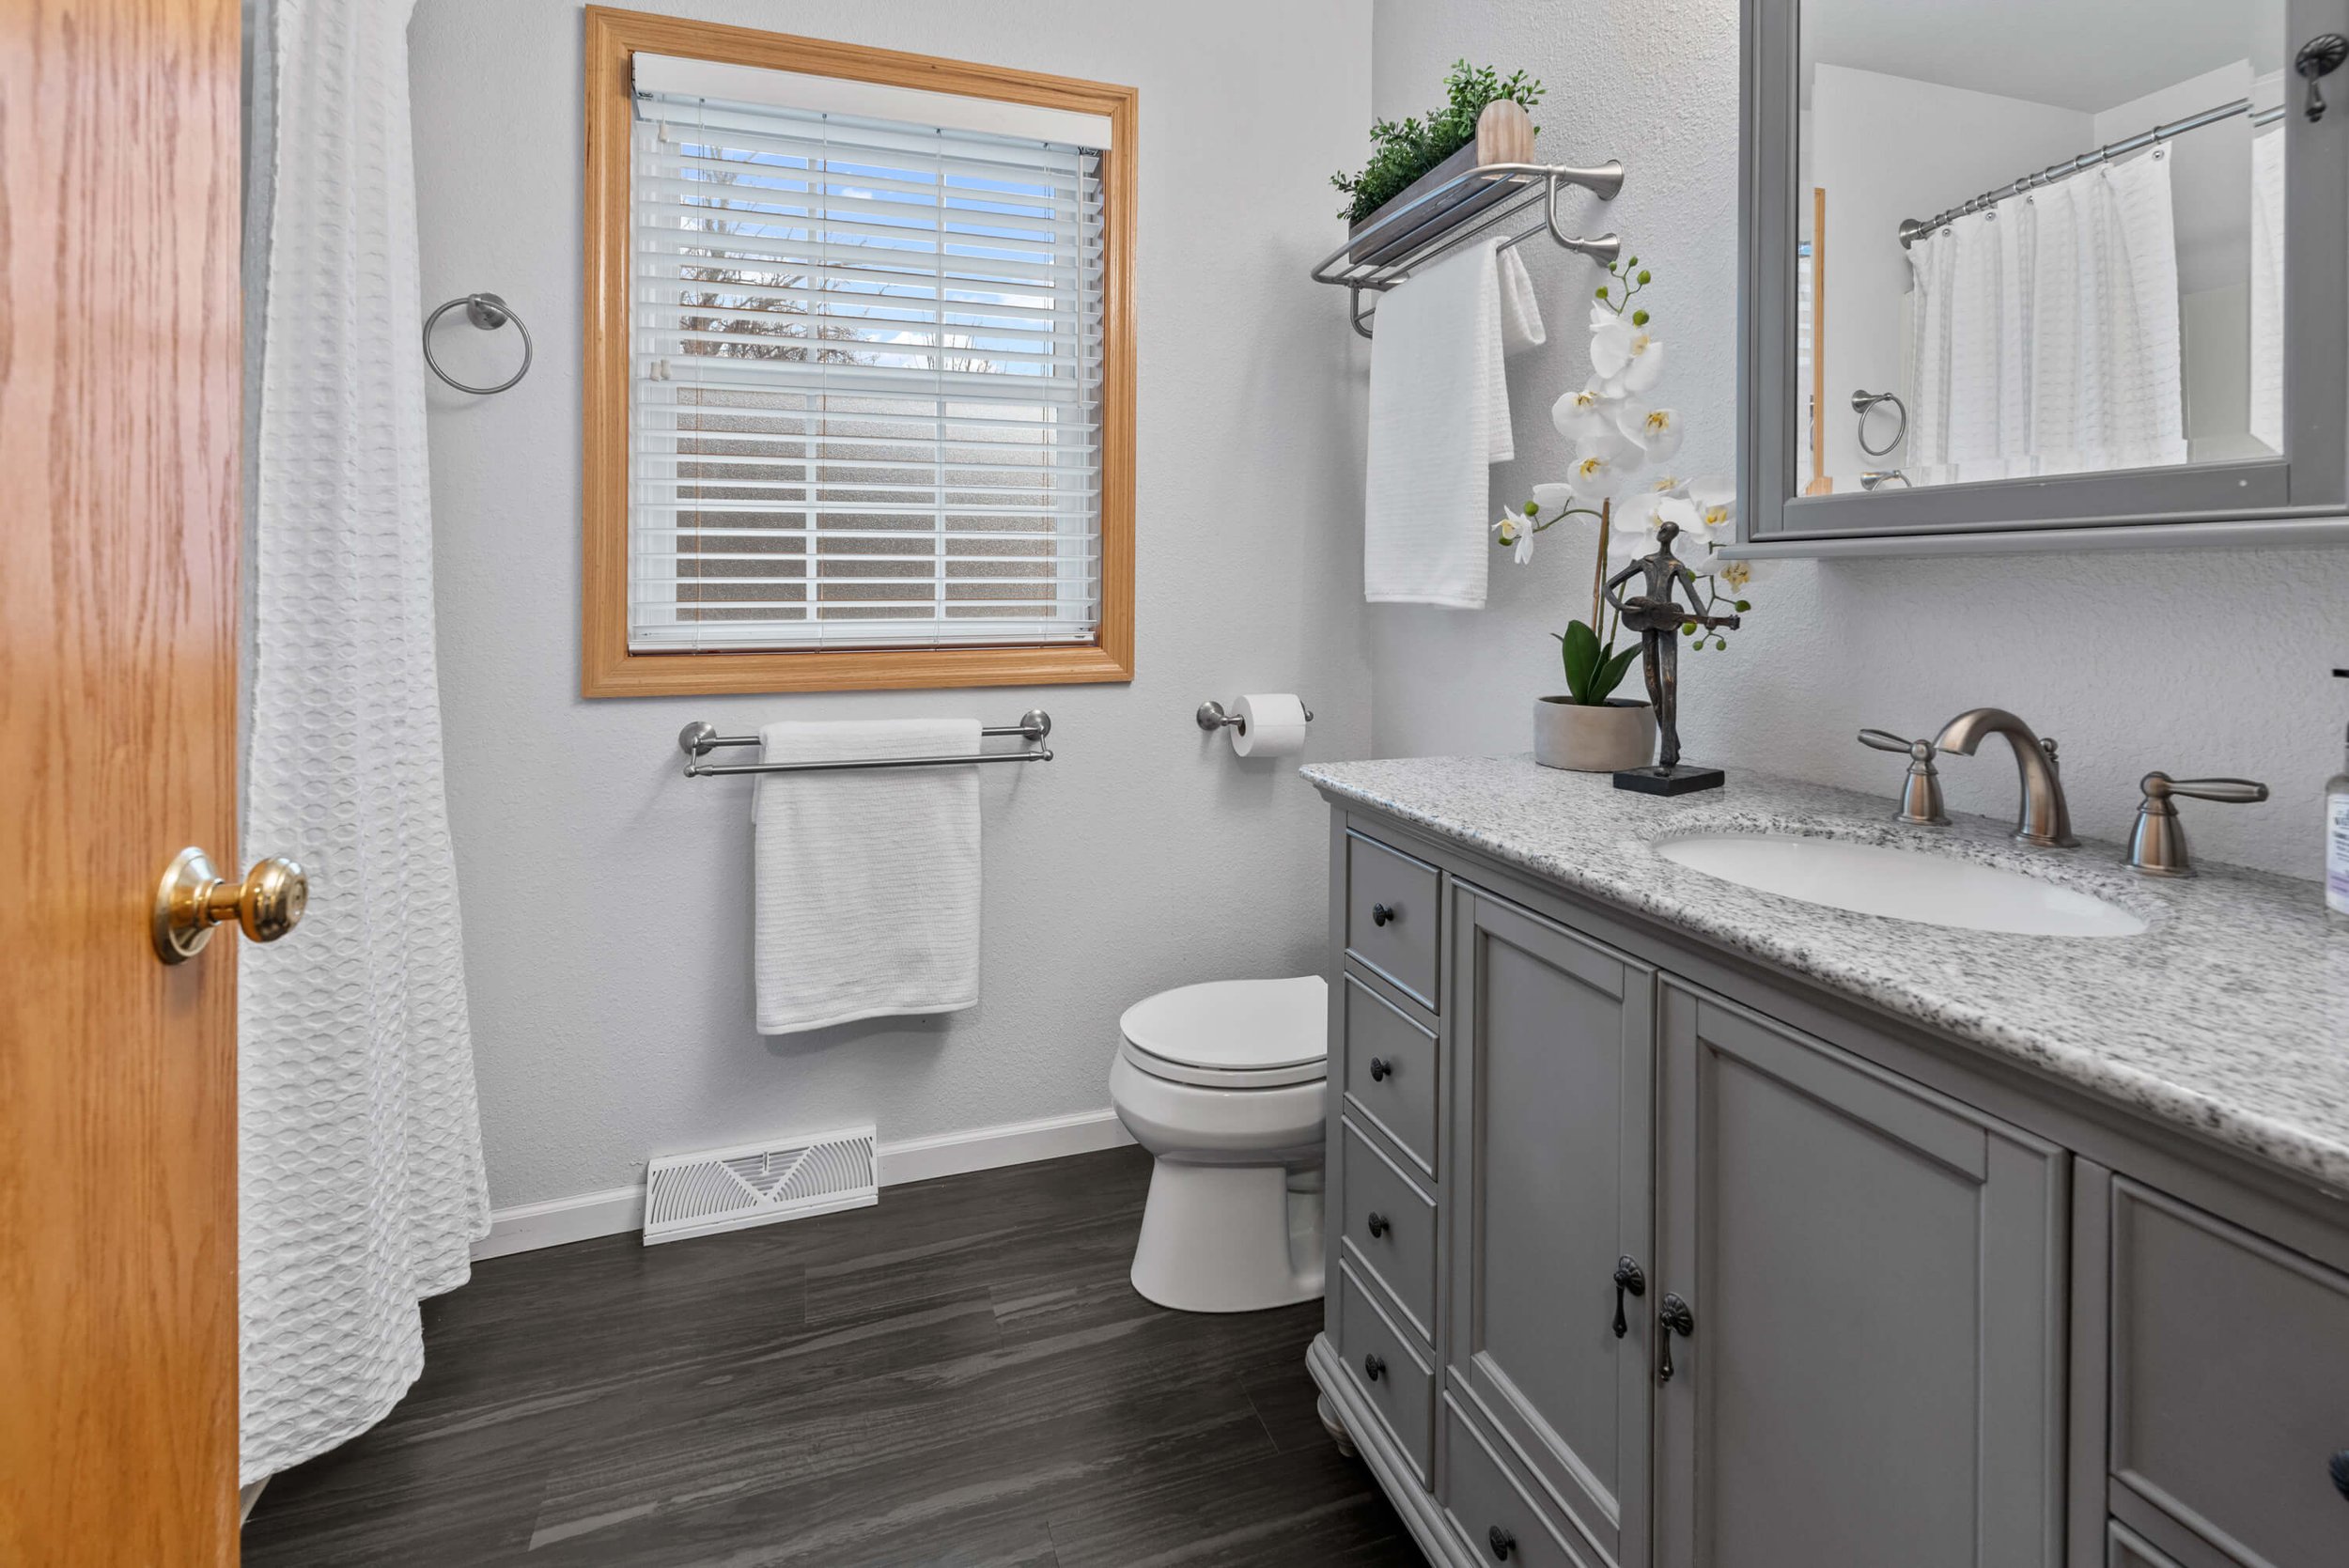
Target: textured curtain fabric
2045, 333
360, 1151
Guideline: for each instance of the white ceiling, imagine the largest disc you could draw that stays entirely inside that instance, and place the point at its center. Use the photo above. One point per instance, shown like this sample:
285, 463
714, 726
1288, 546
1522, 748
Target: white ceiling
2085, 54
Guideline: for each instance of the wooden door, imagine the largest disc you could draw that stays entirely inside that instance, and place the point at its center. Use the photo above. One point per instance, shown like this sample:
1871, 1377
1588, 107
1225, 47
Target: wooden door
1874, 1367
1553, 1146
119, 530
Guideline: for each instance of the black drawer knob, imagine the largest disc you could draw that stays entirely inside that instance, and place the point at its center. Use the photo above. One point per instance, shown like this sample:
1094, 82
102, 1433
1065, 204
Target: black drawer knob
2339, 1467
1501, 1542
1380, 1069
1374, 1366
1378, 1223
1381, 913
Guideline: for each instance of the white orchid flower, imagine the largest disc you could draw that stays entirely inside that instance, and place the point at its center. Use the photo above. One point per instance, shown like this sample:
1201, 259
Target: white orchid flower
1552, 500
1656, 431
1717, 508
1514, 529
1600, 461
1627, 359
1580, 415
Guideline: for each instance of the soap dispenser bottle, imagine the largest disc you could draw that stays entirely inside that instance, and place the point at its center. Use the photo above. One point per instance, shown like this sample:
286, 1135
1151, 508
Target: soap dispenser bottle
2337, 838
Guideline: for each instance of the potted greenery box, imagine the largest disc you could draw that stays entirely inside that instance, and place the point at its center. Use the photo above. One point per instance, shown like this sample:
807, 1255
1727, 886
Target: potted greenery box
1483, 121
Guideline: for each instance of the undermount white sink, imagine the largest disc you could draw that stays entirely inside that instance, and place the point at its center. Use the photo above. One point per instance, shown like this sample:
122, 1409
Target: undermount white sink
1904, 884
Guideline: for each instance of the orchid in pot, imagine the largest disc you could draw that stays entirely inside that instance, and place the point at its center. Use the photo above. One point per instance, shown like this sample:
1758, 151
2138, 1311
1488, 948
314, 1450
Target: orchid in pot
1624, 442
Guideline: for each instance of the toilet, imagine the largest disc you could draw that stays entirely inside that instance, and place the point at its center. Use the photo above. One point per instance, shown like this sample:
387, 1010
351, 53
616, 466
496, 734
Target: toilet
1224, 1084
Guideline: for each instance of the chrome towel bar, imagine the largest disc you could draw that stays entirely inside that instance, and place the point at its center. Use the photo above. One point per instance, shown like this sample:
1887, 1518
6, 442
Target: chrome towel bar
696, 739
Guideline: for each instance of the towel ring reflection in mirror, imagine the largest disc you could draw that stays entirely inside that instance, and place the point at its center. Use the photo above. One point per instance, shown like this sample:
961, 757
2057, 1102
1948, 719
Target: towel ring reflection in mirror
1863, 403
488, 312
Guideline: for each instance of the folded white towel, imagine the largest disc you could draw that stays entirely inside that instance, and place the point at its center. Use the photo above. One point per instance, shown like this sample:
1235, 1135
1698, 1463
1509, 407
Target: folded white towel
1439, 420
867, 895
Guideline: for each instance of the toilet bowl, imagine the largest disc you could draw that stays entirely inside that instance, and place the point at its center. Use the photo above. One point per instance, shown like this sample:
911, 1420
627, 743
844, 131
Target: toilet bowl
1223, 1083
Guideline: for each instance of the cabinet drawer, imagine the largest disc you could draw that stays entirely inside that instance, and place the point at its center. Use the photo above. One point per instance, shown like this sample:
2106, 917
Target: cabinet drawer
1399, 1386
2229, 1382
1391, 1072
1491, 1506
1392, 912
1390, 1228
2125, 1548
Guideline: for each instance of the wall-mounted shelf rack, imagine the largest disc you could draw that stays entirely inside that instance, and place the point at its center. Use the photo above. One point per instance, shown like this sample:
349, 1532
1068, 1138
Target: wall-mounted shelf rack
1532, 209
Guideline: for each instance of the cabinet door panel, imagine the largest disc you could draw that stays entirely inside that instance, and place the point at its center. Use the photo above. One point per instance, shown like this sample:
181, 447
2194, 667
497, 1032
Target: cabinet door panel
1552, 1144
1877, 1278
2229, 1382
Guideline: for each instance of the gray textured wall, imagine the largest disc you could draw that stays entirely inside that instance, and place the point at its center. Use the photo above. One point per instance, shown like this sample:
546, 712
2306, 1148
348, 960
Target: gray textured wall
607, 900
2188, 662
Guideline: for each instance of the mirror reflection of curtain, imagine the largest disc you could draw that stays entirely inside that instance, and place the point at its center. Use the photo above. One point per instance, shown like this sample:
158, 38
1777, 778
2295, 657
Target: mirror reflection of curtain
2268, 286
2045, 336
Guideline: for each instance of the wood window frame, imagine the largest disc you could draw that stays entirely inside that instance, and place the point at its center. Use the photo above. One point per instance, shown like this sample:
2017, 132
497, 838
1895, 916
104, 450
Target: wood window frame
608, 667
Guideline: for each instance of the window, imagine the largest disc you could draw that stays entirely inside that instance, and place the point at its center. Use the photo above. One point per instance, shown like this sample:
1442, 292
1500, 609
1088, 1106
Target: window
861, 406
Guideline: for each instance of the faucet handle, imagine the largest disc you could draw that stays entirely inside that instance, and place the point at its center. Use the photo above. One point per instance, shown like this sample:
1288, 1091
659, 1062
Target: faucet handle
1920, 798
2235, 792
2157, 843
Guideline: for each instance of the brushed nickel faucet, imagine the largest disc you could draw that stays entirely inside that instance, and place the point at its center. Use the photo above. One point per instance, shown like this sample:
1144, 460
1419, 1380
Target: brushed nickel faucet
1921, 797
2157, 843
2044, 818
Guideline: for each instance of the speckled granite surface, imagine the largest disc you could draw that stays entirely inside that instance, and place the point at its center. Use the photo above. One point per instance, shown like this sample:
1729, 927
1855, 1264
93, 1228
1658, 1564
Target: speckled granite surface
2229, 1015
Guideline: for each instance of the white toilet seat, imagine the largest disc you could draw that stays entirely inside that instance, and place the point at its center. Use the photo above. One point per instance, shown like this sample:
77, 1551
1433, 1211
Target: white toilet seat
1232, 1033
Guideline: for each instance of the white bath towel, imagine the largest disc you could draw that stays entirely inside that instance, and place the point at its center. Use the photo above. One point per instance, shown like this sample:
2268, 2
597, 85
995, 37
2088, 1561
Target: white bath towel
867, 896
1439, 420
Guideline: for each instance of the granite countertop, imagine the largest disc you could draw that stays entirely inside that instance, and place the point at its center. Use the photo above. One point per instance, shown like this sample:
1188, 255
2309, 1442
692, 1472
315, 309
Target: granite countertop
2229, 1015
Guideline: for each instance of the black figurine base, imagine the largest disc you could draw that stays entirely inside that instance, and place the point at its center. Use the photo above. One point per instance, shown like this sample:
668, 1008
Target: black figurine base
1679, 778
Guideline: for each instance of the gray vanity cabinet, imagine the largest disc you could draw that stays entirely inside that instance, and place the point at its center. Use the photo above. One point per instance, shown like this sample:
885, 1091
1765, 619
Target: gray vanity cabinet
1887, 1302
1874, 1277
1552, 1068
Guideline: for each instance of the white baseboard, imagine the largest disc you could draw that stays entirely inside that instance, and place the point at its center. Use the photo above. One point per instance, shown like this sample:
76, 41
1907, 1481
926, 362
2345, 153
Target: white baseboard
527, 1227
951, 1154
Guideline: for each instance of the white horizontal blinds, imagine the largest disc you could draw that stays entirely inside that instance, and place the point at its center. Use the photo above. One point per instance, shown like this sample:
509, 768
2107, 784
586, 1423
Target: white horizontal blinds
866, 386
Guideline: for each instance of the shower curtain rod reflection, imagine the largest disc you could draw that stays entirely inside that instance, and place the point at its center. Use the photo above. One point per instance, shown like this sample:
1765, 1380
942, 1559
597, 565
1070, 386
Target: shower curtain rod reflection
1913, 229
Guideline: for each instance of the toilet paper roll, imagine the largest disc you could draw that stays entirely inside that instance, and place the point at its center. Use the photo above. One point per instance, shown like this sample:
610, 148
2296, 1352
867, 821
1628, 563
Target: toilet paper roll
1275, 728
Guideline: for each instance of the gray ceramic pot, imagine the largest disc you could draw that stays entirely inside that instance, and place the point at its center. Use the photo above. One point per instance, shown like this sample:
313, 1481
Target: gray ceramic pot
1602, 739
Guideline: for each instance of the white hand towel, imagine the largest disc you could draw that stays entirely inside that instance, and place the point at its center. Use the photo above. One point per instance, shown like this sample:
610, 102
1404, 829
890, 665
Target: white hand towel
1439, 420
867, 879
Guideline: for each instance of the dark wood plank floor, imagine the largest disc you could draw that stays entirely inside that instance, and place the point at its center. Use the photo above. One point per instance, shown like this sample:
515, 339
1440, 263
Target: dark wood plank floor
961, 1375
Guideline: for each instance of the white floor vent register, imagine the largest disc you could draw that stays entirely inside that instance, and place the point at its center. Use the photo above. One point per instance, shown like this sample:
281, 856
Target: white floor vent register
726, 1189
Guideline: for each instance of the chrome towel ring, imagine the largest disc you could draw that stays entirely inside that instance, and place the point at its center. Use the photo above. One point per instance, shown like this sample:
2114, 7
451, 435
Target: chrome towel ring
1862, 403
488, 313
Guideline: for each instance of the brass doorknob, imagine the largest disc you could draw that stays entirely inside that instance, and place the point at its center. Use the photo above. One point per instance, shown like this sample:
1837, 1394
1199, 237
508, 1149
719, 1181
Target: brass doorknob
192, 898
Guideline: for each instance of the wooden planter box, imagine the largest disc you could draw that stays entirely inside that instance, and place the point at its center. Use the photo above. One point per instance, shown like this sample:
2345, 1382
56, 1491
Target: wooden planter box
1504, 134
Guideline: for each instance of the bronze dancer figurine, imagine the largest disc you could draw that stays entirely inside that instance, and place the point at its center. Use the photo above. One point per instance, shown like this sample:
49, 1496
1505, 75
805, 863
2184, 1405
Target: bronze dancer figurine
1657, 620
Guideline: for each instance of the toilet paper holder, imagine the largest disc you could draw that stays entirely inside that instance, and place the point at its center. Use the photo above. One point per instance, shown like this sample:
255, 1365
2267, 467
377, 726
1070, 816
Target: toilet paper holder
1212, 718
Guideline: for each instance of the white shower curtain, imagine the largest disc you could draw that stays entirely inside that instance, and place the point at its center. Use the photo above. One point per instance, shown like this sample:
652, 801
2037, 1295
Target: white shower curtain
359, 1152
2046, 335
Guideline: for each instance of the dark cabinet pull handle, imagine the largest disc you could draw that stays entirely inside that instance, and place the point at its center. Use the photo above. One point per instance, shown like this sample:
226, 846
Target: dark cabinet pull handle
1378, 1223
1380, 914
2320, 56
1631, 1278
1374, 1366
2339, 1467
1674, 1317
1501, 1542
1379, 1070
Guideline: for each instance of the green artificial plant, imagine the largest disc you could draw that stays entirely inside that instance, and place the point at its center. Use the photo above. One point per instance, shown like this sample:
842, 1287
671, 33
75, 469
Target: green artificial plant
1402, 150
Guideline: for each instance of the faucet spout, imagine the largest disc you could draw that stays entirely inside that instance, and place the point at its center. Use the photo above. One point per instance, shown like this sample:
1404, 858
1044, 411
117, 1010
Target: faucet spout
2045, 817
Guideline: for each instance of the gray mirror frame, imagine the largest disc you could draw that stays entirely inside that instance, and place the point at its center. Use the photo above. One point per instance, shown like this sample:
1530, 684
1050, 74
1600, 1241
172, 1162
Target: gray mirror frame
2299, 498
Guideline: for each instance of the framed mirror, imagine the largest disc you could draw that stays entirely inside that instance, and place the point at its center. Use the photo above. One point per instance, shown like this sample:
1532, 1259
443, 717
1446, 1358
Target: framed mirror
2043, 273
